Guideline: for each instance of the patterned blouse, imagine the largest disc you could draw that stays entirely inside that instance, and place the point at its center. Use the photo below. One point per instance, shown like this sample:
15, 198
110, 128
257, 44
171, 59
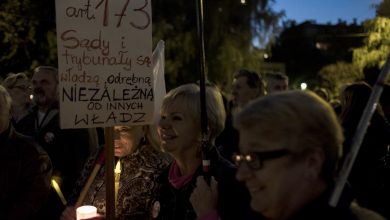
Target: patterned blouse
137, 185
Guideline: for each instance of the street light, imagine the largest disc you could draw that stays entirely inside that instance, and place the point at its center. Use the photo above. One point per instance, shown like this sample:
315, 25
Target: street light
303, 86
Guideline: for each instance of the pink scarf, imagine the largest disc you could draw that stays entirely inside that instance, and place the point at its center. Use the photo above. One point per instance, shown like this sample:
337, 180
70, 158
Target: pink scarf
175, 177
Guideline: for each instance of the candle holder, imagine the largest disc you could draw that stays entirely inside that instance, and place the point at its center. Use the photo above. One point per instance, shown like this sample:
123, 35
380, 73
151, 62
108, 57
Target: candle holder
86, 211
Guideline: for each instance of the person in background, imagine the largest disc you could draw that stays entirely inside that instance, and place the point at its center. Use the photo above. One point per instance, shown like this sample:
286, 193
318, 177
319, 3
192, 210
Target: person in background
247, 85
369, 176
276, 82
385, 101
68, 149
140, 163
290, 144
25, 169
19, 87
371, 74
336, 105
323, 93
180, 132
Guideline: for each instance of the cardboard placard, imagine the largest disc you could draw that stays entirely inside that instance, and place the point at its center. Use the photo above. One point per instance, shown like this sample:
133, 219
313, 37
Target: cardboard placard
105, 63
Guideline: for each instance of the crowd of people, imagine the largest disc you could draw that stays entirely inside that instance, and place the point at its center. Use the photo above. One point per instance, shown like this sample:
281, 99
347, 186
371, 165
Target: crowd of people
275, 153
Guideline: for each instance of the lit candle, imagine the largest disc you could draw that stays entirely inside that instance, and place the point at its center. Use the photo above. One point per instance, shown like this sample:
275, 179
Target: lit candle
86, 211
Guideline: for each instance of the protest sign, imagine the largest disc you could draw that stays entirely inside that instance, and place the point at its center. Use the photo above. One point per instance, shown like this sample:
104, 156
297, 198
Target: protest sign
105, 64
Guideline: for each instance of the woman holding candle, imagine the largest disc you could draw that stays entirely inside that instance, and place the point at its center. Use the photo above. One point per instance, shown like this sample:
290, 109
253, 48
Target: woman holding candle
139, 164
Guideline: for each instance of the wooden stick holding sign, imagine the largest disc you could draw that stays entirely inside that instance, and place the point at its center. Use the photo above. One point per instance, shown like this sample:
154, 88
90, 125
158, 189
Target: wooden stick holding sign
105, 69
110, 165
99, 163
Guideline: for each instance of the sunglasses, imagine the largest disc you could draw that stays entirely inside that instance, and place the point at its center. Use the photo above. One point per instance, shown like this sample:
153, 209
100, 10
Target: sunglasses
255, 160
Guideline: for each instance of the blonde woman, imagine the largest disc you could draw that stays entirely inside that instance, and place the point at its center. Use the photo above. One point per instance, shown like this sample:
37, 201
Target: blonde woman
180, 133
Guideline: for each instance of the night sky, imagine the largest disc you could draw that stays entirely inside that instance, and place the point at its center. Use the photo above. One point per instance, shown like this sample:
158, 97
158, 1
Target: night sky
324, 11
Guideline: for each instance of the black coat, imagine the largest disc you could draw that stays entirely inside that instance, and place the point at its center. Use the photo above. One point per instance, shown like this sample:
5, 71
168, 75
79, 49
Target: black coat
370, 174
25, 172
233, 197
68, 150
319, 209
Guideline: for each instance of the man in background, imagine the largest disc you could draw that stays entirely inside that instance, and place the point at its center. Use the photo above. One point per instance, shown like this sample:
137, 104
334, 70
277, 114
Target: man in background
67, 148
247, 85
276, 82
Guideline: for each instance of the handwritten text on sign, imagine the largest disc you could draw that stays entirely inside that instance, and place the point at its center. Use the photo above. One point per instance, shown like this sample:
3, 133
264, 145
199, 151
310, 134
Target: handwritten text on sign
105, 67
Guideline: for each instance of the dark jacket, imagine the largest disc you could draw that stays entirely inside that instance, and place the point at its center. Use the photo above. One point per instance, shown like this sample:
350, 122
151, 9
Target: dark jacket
25, 172
320, 210
68, 150
370, 174
233, 197
227, 141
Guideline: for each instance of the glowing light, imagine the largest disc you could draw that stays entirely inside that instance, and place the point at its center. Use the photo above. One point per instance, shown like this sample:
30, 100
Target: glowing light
303, 86
58, 191
243, 2
265, 56
31, 97
86, 211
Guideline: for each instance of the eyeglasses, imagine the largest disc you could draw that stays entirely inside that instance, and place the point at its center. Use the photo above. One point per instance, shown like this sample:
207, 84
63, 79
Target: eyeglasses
255, 160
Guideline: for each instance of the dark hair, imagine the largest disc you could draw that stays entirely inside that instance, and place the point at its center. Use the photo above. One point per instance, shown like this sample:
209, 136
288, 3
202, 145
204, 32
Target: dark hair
371, 73
253, 79
385, 97
354, 98
276, 75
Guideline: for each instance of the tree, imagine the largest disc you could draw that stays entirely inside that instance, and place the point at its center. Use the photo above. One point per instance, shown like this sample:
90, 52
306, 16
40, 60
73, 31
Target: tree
383, 9
27, 33
28, 36
377, 44
334, 76
229, 32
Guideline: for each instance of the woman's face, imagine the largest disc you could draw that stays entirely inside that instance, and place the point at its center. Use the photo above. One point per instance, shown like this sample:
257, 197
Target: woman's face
20, 92
127, 139
179, 132
272, 186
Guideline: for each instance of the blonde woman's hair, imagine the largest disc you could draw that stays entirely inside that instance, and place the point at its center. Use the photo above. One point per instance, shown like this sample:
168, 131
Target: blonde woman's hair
298, 120
188, 95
